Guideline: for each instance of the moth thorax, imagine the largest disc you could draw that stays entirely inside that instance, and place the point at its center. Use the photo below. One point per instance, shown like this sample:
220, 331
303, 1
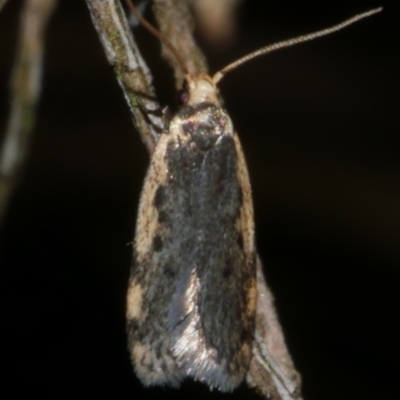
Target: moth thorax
201, 89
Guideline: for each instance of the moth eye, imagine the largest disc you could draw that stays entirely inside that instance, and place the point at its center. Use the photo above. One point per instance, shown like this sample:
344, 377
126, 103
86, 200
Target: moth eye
183, 94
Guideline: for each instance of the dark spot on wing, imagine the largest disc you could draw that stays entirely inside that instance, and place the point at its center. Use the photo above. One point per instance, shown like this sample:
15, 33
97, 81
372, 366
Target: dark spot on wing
245, 335
169, 271
157, 243
239, 240
162, 217
133, 325
228, 268
164, 367
203, 137
158, 351
159, 197
240, 196
150, 366
222, 176
134, 330
188, 127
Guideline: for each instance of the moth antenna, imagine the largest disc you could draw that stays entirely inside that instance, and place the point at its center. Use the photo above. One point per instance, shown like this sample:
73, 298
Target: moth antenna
291, 42
157, 34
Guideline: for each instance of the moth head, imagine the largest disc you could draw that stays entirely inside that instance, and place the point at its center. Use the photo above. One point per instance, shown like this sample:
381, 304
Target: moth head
198, 89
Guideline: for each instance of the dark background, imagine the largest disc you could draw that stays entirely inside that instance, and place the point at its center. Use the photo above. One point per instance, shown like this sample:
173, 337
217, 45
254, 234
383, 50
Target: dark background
319, 124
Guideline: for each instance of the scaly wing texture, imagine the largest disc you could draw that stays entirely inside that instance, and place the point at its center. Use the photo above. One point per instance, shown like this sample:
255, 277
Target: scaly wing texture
192, 296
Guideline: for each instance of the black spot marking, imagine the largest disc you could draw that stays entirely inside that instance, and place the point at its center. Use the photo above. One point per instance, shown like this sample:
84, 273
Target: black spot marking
133, 325
164, 367
134, 330
239, 240
240, 196
158, 352
162, 217
245, 335
188, 127
157, 243
202, 136
159, 197
221, 177
169, 271
228, 269
150, 366
199, 107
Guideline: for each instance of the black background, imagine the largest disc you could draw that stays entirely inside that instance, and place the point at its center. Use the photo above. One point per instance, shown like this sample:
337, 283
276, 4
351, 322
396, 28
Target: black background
319, 124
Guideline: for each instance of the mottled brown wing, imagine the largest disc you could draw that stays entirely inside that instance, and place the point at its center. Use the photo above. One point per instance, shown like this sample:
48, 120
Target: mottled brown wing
192, 293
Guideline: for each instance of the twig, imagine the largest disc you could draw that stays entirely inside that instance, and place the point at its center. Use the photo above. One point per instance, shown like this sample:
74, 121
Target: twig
25, 91
176, 23
2, 3
271, 371
131, 70
217, 20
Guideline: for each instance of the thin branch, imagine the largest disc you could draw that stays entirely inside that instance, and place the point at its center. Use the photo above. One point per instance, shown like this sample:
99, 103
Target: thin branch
217, 20
271, 371
131, 70
25, 91
156, 34
2, 3
176, 23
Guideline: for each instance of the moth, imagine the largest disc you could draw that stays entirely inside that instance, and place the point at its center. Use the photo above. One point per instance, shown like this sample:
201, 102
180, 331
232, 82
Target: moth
198, 305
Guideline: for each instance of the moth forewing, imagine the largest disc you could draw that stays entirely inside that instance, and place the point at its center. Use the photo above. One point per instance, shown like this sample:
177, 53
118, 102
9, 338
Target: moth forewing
192, 296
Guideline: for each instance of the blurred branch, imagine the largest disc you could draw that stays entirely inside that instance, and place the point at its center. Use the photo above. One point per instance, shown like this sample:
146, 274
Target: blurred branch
2, 3
217, 20
271, 370
131, 70
176, 22
25, 91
